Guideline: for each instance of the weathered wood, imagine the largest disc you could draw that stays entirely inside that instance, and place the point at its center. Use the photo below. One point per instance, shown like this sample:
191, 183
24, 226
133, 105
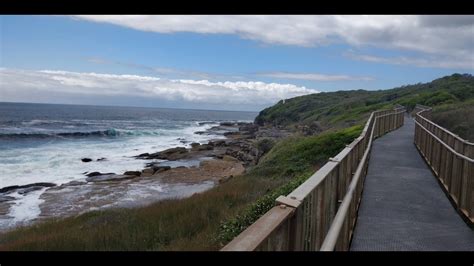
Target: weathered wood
258, 233
450, 158
323, 208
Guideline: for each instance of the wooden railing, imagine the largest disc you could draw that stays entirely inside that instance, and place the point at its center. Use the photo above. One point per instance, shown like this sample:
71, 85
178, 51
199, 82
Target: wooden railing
320, 214
451, 159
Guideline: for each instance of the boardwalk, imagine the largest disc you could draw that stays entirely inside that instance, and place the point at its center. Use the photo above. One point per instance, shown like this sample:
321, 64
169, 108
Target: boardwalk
403, 207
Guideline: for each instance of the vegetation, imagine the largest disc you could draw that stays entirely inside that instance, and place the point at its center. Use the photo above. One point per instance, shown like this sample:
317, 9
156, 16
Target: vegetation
458, 118
204, 221
343, 108
208, 220
296, 157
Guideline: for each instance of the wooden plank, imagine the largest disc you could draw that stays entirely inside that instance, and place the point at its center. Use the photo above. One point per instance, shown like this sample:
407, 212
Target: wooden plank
258, 232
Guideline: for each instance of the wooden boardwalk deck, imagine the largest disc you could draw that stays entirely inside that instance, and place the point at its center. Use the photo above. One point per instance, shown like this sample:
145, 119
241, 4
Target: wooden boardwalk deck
403, 207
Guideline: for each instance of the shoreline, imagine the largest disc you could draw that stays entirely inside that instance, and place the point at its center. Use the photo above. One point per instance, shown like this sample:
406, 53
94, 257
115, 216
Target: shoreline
177, 172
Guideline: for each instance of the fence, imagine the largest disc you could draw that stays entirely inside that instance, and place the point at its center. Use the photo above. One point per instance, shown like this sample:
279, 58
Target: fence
450, 157
320, 214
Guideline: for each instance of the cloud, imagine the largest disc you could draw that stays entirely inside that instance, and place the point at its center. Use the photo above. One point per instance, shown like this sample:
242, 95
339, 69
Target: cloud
162, 71
313, 76
432, 62
447, 36
16, 82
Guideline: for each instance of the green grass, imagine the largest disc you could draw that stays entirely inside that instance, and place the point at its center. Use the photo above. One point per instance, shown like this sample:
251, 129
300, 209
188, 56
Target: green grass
205, 221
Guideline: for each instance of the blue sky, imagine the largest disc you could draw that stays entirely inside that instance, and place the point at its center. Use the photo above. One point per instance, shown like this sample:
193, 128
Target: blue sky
222, 62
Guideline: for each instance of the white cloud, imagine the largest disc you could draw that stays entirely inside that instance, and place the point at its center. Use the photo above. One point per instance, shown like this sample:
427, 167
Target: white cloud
434, 62
16, 82
313, 76
448, 36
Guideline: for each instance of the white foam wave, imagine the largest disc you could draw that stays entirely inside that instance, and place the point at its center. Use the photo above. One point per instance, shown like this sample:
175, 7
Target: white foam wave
60, 162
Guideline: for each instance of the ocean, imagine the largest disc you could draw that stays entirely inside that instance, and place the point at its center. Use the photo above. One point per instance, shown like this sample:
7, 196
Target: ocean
46, 142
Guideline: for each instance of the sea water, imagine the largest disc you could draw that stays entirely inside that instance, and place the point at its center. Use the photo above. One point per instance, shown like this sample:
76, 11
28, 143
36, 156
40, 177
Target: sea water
46, 142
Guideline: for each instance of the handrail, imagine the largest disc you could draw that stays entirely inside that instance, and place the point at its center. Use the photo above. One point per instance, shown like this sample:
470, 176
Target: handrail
452, 160
462, 156
426, 109
323, 209
270, 221
333, 234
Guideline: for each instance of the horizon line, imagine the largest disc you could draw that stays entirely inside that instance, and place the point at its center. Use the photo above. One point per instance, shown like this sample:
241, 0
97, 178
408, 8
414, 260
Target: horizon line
128, 106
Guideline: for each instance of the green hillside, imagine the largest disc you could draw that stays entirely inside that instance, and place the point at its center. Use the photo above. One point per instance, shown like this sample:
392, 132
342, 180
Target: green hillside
450, 96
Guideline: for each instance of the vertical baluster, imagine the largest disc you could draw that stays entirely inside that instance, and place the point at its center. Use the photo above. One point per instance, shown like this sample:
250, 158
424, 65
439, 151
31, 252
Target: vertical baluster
449, 164
457, 168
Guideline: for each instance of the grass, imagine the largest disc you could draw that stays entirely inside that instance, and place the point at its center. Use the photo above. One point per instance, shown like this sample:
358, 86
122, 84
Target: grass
205, 221
458, 118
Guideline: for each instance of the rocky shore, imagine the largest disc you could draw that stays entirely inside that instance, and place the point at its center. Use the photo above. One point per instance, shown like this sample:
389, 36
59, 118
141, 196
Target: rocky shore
172, 173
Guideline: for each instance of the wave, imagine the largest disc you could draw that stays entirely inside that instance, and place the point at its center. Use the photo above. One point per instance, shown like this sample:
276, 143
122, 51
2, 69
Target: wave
100, 133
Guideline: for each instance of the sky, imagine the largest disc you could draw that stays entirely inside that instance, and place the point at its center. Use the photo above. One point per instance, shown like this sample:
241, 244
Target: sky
229, 62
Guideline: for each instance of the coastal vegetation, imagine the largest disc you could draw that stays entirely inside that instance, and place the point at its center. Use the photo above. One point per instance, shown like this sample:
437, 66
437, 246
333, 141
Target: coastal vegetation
322, 124
449, 96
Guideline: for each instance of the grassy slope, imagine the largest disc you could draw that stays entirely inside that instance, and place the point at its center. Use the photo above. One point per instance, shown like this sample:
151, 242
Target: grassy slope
450, 96
208, 220
458, 118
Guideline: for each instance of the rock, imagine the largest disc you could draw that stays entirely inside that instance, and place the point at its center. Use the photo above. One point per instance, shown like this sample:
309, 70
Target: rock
4, 198
251, 128
148, 172
201, 147
200, 132
217, 143
159, 169
112, 177
227, 124
229, 158
146, 154
232, 133
102, 159
205, 123
98, 173
94, 174
254, 152
86, 160
244, 123
75, 183
169, 154
137, 173
204, 147
14, 188
28, 189
242, 156
148, 165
